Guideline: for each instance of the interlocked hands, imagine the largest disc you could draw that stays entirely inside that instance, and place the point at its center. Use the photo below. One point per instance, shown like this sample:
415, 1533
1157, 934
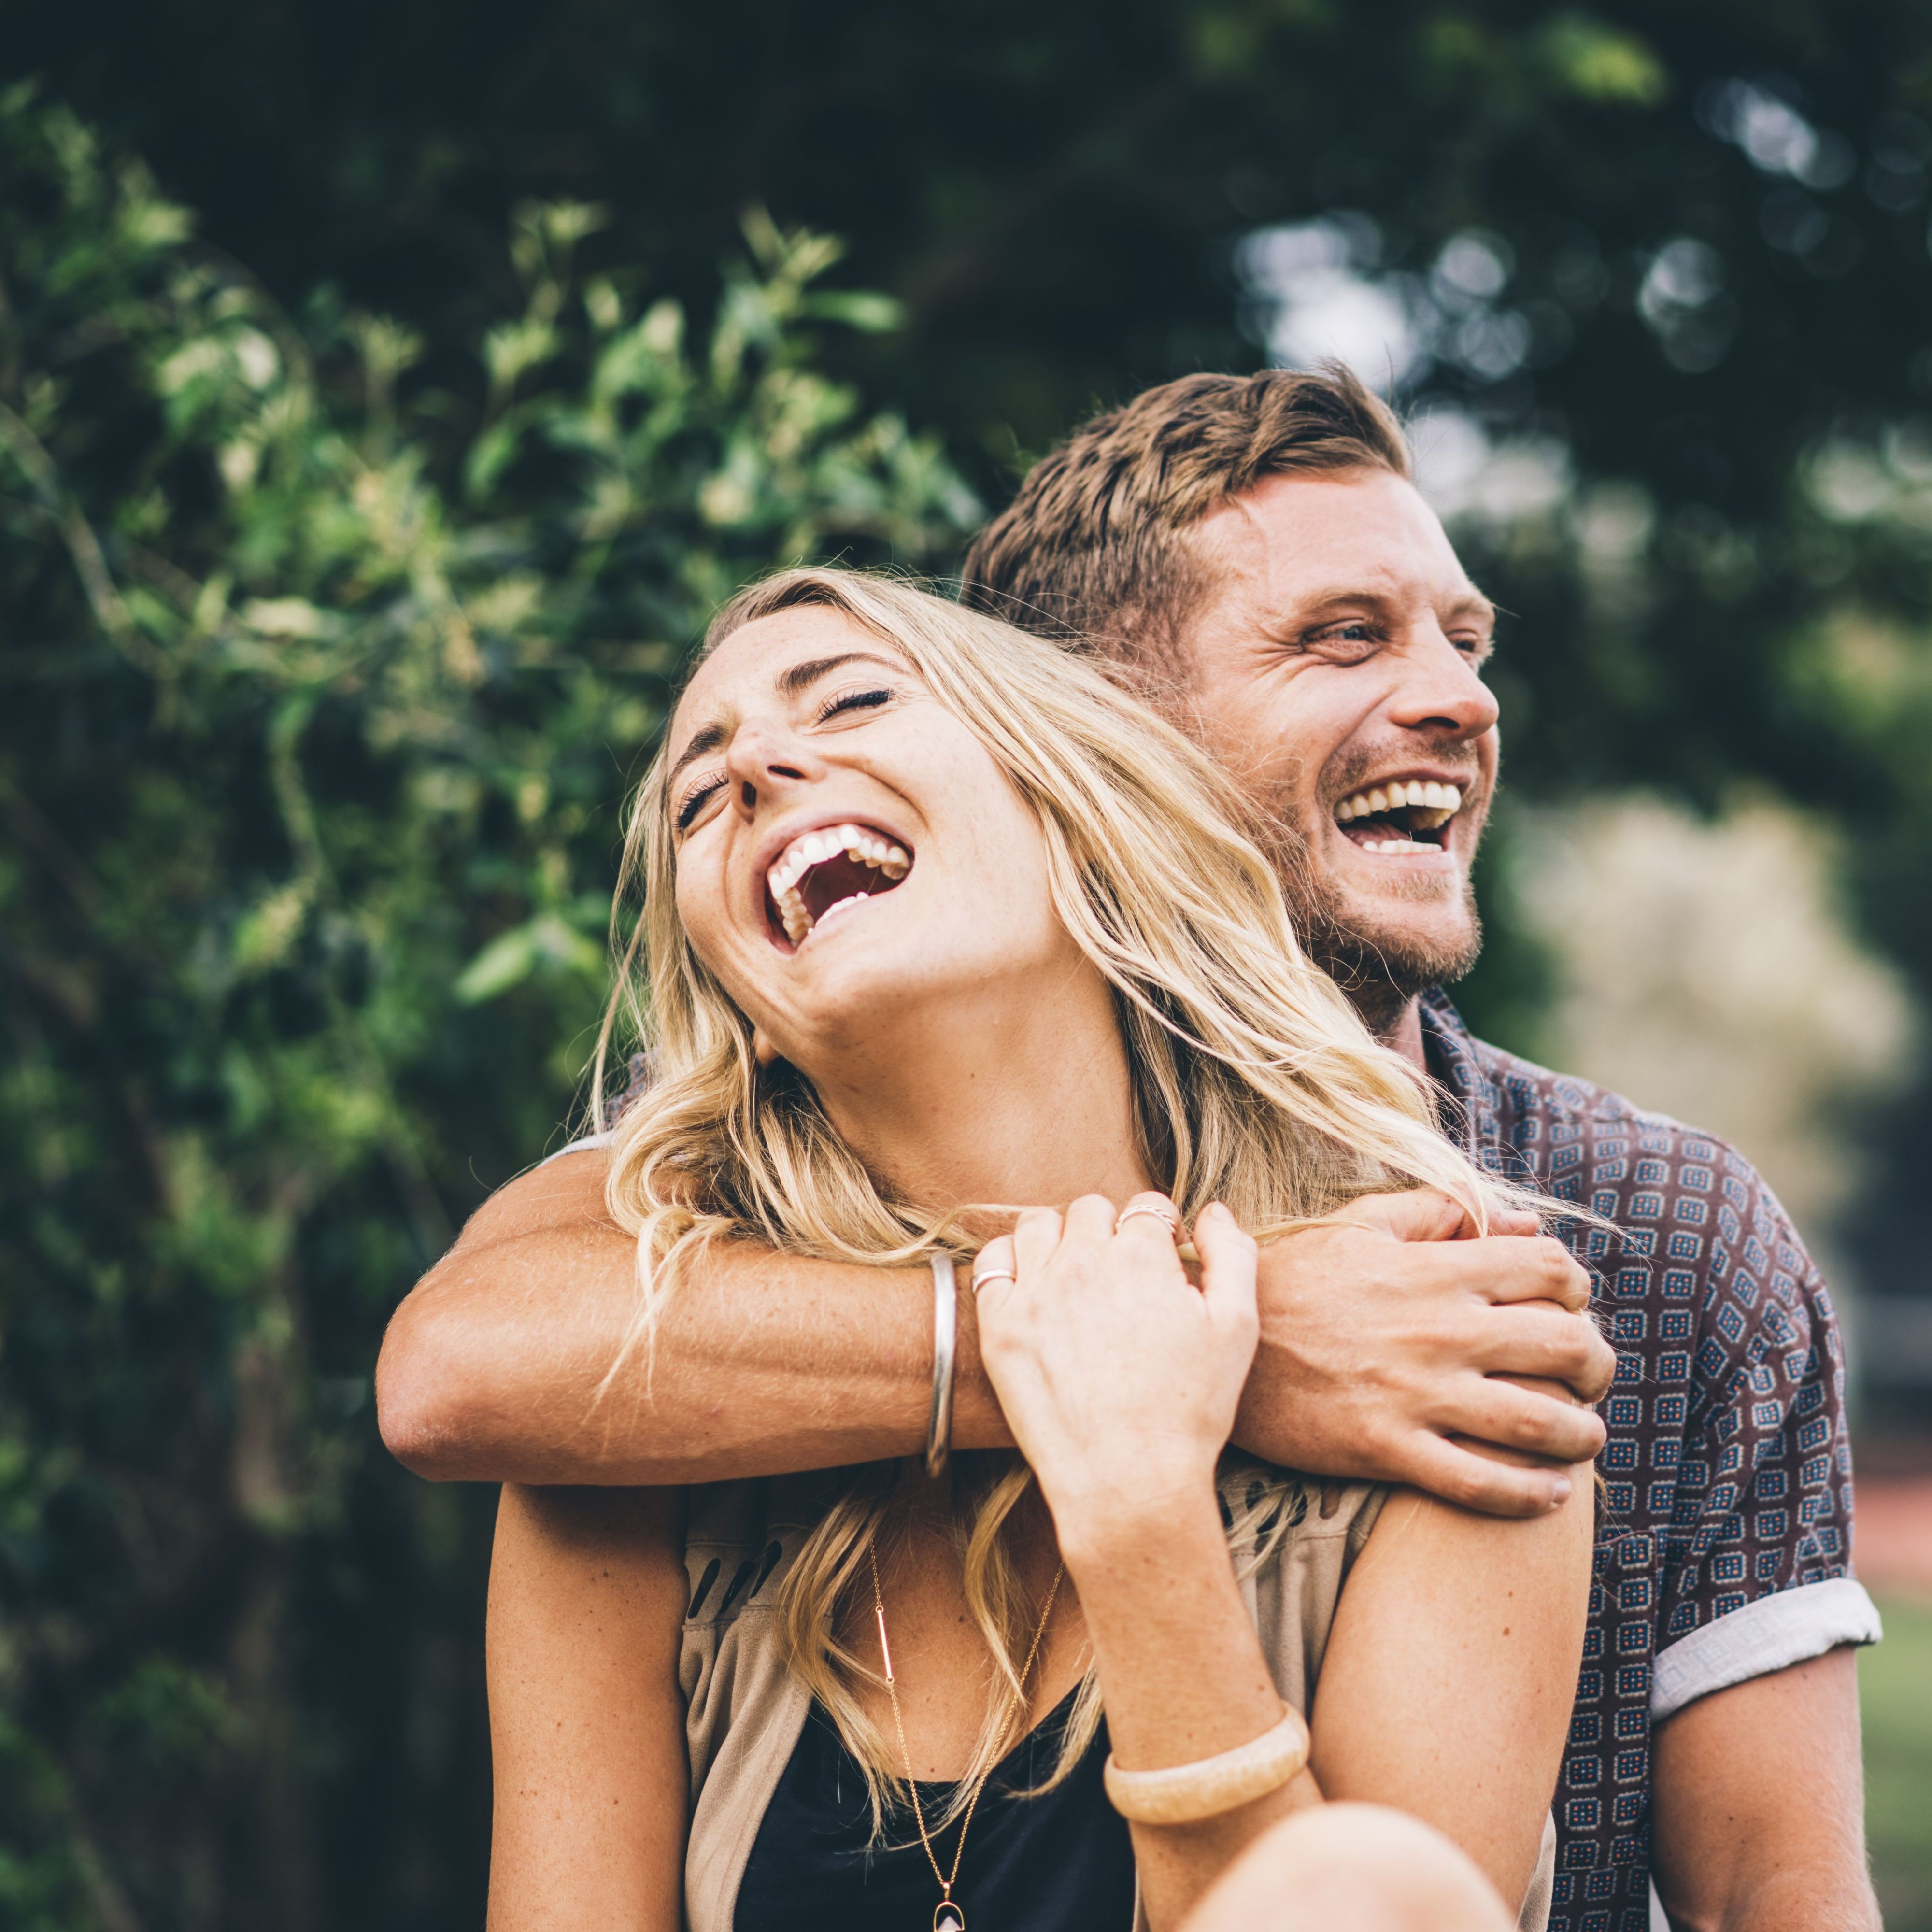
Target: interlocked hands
1119, 1377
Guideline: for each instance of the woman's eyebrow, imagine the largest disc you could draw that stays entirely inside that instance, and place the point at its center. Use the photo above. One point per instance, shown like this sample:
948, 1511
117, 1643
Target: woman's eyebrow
790, 682
803, 677
707, 739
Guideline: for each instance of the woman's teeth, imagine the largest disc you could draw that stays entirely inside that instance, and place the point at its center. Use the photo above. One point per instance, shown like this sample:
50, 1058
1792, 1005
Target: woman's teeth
863, 847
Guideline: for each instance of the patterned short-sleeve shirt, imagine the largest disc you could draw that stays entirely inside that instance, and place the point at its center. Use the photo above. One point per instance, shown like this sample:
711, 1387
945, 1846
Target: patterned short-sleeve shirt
1723, 1544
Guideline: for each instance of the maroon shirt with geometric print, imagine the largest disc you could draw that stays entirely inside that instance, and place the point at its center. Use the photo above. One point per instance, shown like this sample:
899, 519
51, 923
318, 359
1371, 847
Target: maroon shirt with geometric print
1727, 1474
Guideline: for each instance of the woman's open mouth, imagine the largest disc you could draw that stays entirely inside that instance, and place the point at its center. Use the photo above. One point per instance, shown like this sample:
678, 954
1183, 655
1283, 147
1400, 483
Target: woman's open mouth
828, 870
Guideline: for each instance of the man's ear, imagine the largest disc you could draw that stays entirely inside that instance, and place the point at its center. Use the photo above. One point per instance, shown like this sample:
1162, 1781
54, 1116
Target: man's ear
763, 1050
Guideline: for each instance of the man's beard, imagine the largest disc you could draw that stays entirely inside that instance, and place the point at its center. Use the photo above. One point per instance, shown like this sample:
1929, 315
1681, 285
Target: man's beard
1380, 967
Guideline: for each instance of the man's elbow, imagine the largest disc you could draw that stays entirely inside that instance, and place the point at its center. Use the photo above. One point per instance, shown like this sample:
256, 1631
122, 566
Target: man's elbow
426, 1406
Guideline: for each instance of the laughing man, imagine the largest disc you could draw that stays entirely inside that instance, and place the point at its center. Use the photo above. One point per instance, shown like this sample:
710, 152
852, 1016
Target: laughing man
1249, 553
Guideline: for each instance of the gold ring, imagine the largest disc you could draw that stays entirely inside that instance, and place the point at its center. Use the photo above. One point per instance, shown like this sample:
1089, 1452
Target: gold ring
981, 1277
1166, 1214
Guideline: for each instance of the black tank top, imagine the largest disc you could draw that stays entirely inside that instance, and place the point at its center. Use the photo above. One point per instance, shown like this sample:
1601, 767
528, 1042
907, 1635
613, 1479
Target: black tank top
1059, 1862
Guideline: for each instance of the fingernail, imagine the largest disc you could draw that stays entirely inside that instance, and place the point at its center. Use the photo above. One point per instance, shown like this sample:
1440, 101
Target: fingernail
1559, 1492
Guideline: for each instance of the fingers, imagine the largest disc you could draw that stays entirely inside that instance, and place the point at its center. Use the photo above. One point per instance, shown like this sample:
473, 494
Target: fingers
1150, 1219
1561, 1347
1542, 1270
994, 1267
1228, 1257
1459, 1475
1090, 1219
1416, 1214
1035, 1235
1498, 1412
1515, 1221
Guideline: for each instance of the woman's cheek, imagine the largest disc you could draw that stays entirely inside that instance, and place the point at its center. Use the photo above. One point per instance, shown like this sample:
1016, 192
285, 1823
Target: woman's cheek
701, 910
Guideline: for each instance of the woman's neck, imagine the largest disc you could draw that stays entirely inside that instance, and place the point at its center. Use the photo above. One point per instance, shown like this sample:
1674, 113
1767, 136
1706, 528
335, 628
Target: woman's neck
1025, 1100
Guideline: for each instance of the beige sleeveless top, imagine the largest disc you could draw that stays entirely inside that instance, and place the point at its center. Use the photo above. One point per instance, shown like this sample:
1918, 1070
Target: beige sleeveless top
744, 1710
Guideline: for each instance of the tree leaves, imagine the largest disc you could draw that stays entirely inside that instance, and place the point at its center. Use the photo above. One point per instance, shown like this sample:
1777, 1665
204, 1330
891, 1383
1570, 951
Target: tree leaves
325, 671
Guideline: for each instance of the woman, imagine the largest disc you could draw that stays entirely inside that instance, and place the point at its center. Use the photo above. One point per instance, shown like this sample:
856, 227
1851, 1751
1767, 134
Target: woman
936, 919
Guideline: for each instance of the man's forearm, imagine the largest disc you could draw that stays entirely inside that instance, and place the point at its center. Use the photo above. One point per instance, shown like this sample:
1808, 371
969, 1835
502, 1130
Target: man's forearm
1379, 1349
495, 1368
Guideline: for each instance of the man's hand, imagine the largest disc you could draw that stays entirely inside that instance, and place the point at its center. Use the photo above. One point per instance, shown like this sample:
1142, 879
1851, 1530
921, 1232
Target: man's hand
1383, 1343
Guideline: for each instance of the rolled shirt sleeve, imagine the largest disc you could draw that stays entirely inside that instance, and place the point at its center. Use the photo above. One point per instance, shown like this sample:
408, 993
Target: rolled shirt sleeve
1724, 1521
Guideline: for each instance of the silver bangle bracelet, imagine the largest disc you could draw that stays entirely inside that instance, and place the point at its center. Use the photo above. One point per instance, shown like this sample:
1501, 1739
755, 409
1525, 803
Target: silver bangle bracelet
945, 1346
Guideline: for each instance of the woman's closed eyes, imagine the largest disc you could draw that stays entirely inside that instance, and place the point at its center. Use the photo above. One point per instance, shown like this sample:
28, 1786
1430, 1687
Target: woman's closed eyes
695, 798
841, 704
854, 701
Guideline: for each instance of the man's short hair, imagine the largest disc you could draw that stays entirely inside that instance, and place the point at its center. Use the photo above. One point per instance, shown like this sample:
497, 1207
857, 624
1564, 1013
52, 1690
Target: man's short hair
1090, 551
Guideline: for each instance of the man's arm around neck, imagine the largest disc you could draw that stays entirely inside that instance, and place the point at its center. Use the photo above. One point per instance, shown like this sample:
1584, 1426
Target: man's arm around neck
1380, 1347
493, 1370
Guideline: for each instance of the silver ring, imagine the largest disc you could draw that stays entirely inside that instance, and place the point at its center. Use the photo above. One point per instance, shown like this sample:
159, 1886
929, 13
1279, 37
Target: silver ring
1165, 1214
984, 1276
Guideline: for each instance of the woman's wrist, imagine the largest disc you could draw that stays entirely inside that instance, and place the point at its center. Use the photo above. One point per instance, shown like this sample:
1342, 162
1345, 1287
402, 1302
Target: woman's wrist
1101, 1526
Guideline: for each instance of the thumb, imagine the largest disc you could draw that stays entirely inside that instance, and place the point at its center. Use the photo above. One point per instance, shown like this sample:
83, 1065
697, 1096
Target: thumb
1416, 1214
1227, 1252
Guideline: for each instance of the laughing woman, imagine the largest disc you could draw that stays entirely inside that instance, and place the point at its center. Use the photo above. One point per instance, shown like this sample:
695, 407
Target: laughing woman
936, 919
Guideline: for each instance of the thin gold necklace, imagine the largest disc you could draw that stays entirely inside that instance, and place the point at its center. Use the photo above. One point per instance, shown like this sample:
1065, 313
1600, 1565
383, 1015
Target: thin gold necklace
946, 1914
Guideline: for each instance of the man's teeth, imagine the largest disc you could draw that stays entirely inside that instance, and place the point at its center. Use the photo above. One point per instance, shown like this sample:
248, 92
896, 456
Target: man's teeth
1429, 805
857, 842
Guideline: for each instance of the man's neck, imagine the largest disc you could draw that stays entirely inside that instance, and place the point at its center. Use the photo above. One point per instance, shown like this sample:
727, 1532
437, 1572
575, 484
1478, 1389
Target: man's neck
1405, 1035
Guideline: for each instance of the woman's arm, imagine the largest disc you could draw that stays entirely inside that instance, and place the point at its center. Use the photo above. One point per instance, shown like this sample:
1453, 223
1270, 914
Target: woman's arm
1121, 1381
586, 1721
1449, 1673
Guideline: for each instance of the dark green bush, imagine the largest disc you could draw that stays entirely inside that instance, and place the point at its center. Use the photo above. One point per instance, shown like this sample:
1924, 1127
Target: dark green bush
321, 678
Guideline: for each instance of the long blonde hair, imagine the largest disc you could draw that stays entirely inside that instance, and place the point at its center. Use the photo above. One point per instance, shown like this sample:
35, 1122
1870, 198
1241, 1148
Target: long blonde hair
1255, 1083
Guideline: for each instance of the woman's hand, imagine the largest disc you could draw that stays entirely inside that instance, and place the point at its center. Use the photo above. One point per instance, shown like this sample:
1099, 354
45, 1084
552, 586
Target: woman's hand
1119, 1378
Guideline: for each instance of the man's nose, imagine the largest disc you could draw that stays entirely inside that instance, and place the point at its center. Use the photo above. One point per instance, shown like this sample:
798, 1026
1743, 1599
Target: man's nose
1441, 690
763, 763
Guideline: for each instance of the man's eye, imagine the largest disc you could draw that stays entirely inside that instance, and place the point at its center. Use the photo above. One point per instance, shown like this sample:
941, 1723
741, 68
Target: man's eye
1361, 633
694, 800
854, 700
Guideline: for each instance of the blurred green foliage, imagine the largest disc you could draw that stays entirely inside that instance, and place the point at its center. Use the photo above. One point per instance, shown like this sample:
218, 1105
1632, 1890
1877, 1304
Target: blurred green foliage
320, 687
1895, 1698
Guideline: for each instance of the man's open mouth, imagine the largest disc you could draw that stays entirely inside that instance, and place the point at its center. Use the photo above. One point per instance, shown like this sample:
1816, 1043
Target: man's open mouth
1408, 815
829, 869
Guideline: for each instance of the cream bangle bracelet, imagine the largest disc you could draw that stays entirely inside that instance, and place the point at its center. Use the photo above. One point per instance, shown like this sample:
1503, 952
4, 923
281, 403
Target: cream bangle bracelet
1184, 1794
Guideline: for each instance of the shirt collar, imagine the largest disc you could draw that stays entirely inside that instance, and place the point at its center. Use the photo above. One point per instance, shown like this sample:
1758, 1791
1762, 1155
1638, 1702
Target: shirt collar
1470, 1094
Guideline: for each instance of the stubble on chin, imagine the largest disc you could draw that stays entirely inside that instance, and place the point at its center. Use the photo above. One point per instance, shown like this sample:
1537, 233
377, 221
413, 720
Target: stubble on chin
1380, 963
1381, 967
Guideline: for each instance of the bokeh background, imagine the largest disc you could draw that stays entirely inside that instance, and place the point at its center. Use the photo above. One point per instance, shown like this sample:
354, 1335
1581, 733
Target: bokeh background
387, 391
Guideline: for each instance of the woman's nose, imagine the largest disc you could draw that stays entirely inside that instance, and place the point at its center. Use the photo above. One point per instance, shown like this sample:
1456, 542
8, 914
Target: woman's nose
764, 764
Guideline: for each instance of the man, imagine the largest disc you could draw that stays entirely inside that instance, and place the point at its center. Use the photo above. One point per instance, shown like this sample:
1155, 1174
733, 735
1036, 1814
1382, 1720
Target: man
1249, 553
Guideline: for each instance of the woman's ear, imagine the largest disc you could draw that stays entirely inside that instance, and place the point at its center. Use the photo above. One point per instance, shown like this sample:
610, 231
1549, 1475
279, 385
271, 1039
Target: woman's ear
763, 1050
